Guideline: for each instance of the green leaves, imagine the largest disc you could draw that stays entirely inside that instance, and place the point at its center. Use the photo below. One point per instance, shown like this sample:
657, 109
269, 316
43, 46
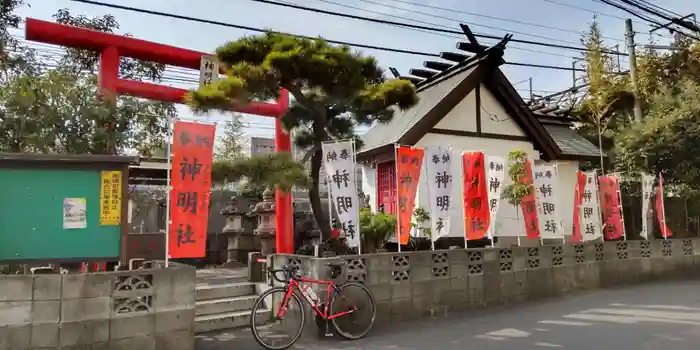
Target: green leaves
376, 228
276, 169
516, 190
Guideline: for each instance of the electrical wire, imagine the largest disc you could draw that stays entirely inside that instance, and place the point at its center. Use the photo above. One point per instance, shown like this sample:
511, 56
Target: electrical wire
436, 16
453, 10
408, 25
365, 46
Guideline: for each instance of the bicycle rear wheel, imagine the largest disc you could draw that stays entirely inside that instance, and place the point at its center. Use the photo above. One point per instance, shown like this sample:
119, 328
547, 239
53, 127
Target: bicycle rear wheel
269, 319
355, 298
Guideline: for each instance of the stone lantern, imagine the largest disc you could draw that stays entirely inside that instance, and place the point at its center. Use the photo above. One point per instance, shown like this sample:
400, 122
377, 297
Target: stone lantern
240, 243
265, 211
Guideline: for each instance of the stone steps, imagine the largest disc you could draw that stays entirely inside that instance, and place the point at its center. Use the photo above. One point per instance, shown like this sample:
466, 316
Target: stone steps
224, 300
225, 320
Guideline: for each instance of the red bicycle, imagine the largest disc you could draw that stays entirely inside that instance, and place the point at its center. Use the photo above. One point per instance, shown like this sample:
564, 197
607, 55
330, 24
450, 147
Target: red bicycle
350, 319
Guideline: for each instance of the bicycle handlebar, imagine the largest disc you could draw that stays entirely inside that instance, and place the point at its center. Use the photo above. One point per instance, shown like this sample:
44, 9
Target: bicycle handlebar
287, 273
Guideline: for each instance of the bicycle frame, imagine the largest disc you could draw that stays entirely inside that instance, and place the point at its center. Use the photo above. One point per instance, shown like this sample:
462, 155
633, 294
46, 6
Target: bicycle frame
295, 284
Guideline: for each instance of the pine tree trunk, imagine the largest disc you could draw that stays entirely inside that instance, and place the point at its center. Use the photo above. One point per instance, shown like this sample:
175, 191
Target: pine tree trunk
315, 196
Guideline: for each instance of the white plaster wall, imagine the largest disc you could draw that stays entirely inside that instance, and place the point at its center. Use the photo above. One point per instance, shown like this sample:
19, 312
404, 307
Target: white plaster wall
506, 222
494, 119
369, 185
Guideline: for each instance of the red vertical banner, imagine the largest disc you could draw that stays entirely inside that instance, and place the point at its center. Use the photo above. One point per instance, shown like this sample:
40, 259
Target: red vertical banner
576, 235
529, 205
409, 162
193, 145
477, 215
661, 210
613, 226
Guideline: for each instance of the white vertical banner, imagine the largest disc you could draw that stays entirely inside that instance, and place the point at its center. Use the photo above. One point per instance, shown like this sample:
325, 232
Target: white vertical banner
438, 163
495, 174
647, 194
545, 180
339, 165
590, 209
208, 70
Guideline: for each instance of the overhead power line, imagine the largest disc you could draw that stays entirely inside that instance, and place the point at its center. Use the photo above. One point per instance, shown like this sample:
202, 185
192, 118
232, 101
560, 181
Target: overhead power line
259, 30
510, 20
415, 26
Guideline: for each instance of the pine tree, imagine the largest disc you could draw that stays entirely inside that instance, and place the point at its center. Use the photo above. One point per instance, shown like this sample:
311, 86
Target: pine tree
334, 90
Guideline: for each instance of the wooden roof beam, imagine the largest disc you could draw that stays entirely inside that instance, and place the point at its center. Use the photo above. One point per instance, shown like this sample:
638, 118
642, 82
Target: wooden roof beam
422, 73
439, 66
454, 57
414, 80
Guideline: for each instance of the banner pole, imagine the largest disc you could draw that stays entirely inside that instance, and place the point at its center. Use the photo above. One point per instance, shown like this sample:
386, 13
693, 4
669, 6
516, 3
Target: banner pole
397, 211
464, 205
601, 219
664, 228
357, 205
168, 189
430, 201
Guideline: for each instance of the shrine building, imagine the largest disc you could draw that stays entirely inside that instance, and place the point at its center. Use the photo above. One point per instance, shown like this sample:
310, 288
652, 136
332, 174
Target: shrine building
470, 105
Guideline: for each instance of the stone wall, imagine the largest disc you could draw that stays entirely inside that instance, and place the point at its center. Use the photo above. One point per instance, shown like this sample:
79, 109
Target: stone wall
139, 309
410, 285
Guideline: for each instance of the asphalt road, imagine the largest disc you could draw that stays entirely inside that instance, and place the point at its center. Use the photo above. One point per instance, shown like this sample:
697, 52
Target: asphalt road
644, 317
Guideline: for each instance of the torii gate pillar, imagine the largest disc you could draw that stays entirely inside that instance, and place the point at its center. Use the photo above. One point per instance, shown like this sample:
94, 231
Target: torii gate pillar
112, 47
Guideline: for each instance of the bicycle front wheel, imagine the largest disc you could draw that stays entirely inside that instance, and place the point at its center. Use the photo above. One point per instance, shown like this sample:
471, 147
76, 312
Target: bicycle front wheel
355, 299
277, 321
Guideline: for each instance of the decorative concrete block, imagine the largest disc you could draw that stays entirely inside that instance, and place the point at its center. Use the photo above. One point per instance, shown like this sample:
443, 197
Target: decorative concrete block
47, 287
86, 309
15, 313
46, 311
91, 285
45, 335
132, 326
84, 332
178, 340
15, 337
147, 342
170, 321
16, 288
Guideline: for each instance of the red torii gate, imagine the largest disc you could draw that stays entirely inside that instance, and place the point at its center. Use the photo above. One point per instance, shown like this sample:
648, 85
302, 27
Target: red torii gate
112, 47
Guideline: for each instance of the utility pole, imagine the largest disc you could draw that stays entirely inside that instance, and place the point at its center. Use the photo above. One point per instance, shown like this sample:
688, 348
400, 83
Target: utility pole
532, 96
629, 34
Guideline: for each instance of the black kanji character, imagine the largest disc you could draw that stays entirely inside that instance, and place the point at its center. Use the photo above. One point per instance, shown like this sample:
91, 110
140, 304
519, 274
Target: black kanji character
349, 229
184, 236
587, 196
550, 226
546, 190
185, 138
492, 204
442, 179
202, 140
344, 154
547, 208
475, 203
494, 184
443, 202
590, 229
187, 201
344, 204
436, 159
341, 179
190, 169
446, 158
439, 225
331, 156
587, 212
403, 203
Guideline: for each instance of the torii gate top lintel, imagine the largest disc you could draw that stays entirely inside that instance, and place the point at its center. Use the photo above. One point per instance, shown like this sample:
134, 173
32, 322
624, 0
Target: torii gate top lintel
111, 47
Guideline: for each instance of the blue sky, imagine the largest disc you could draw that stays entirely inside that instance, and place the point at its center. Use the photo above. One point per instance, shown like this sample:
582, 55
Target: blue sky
568, 21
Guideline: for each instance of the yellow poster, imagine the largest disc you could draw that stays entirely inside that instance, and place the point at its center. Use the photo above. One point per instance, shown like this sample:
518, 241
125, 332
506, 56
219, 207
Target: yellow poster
110, 198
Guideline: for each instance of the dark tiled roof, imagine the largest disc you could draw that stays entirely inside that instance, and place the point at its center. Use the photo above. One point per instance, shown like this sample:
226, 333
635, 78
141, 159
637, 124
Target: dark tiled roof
570, 142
